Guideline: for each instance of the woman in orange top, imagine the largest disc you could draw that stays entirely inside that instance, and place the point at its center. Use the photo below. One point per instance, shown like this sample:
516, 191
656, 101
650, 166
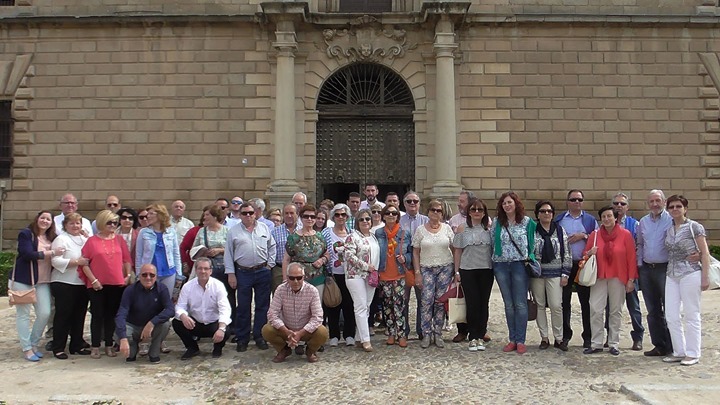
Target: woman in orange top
614, 248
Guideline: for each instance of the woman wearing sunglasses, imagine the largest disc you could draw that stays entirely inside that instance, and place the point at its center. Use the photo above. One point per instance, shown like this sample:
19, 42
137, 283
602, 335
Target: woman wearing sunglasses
433, 262
377, 217
129, 229
308, 247
107, 272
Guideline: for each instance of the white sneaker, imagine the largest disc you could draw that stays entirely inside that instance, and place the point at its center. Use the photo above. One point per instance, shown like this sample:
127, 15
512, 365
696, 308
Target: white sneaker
333, 342
349, 341
144, 349
672, 359
472, 346
690, 361
479, 345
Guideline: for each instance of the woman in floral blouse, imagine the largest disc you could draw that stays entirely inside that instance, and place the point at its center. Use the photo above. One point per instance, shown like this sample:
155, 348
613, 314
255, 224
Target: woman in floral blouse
307, 247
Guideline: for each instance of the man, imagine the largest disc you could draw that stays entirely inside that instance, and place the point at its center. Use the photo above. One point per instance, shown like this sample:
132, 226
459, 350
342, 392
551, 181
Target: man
68, 205
621, 205
411, 222
295, 315
299, 199
249, 255
578, 224
353, 202
460, 218
652, 257
178, 221
280, 235
202, 310
112, 203
224, 205
371, 192
258, 205
144, 315
392, 199
233, 217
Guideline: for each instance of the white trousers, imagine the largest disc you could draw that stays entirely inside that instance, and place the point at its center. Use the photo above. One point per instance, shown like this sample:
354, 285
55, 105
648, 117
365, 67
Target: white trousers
684, 292
606, 291
547, 291
362, 295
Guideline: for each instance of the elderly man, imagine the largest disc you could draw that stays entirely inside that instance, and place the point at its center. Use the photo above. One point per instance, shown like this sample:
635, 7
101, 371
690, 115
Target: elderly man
578, 224
258, 205
299, 199
295, 315
178, 221
249, 255
68, 205
371, 192
280, 234
112, 203
202, 310
234, 216
460, 218
411, 222
144, 315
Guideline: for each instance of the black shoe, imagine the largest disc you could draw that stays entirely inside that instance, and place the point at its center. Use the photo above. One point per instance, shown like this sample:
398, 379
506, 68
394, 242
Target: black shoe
590, 350
217, 352
614, 351
189, 354
261, 344
587, 344
544, 344
48, 346
637, 346
655, 352
561, 345
130, 359
321, 349
299, 350
241, 347
606, 344
82, 352
85, 345
234, 339
61, 355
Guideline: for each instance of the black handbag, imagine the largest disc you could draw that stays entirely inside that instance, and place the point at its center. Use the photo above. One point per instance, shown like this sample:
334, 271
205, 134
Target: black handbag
532, 267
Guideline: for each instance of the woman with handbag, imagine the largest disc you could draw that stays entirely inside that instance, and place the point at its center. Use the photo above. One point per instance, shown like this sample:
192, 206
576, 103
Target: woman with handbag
32, 272
614, 250
513, 244
362, 258
473, 268
433, 262
395, 255
553, 251
685, 281
335, 239
71, 297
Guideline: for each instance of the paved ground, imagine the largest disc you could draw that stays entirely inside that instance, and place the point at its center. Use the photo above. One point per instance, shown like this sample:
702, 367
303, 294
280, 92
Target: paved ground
389, 374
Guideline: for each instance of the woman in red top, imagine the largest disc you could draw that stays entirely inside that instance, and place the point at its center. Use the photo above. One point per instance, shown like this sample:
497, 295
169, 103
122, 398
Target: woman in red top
614, 248
105, 276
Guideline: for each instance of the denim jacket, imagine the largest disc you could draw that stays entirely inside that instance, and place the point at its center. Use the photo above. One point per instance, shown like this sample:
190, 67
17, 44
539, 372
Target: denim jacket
145, 249
405, 249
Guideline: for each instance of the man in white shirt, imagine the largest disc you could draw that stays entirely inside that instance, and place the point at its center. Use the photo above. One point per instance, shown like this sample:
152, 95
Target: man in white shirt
112, 203
258, 205
178, 221
202, 310
371, 192
68, 205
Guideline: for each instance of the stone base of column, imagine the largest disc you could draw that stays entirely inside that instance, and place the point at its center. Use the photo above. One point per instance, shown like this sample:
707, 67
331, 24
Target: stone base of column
445, 189
280, 192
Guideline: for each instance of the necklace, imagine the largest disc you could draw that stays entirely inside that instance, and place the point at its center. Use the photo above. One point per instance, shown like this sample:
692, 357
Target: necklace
433, 226
112, 246
72, 238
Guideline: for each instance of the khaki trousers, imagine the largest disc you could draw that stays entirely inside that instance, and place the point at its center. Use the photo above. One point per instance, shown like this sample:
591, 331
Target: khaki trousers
278, 340
606, 291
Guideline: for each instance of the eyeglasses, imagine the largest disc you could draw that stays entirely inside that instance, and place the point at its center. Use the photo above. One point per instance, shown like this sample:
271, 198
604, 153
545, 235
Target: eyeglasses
623, 203
223, 207
148, 275
340, 215
392, 213
204, 268
436, 210
295, 278
375, 212
476, 209
248, 213
364, 219
69, 202
309, 216
113, 223
235, 202
112, 204
412, 201
576, 199
123, 217
675, 207
545, 211
142, 216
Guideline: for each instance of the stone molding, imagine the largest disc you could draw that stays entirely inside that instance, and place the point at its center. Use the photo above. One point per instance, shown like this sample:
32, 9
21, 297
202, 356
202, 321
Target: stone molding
369, 42
711, 71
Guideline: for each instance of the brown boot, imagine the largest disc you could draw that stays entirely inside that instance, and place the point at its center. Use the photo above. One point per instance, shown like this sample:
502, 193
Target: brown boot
402, 342
282, 354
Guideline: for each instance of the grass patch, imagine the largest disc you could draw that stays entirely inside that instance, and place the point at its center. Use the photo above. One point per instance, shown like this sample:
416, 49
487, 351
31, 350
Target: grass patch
7, 260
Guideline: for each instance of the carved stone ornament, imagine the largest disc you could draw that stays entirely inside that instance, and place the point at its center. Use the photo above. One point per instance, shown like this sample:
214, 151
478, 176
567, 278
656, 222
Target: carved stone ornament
370, 42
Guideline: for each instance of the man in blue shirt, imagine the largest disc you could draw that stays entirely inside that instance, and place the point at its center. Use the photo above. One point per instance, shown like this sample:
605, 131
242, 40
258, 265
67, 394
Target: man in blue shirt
144, 315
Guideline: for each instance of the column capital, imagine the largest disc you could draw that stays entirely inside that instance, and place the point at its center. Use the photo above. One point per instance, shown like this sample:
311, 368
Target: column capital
285, 43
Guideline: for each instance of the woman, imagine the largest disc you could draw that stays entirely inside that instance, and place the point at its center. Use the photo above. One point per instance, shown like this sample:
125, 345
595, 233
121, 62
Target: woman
68, 289
105, 275
335, 244
362, 257
433, 262
275, 216
685, 280
395, 254
614, 250
377, 217
129, 229
158, 245
306, 246
473, 266
514, 243
143, 218
320, 221
32, 268
187, 244
555, 257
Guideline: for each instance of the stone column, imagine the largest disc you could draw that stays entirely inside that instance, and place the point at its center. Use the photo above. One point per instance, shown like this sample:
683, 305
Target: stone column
446, 183
284, 184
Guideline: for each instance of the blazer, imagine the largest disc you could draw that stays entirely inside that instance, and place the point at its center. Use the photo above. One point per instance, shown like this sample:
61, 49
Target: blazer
27, 258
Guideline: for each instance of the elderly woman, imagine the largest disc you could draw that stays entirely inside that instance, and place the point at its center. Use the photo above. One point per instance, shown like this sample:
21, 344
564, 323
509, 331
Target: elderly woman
433, 263
32, 269
129, 229
158, 245
68, 289
514, 243
614, 250
308, 247
335, 238
362, 257
685, 281
395, 254
473, 265
377, 217
105, 275
555, 257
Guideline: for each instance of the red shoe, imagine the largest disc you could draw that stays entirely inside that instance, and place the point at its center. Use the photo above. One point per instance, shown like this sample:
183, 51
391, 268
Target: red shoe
521, 349
509, 347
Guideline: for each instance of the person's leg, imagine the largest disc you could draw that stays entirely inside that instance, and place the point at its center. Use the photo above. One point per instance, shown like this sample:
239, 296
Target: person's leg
443, 276
347, 307
114, 296
566, 303
427, 301
371, 297
158, 335
42, 313
316, 339
357, 289
97, 309
616, 299
690, 292
537, 286
277, 279
598, 301
22, 319
504, 280
133, 336
652, 285
470, 282
244, 290
274, 337
185, 335
632, 301
388, 308
487, 278
263, 281
398, 307
583, 294
553, 294
77, 323
672, 314
520, 287
64, 306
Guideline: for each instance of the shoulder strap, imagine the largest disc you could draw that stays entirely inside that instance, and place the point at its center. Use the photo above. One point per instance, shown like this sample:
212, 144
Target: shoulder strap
206, 241
693, 235
559, 231
512, 240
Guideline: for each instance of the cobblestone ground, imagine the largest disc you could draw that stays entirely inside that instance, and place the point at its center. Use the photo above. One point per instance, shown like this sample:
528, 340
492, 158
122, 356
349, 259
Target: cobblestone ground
389, 374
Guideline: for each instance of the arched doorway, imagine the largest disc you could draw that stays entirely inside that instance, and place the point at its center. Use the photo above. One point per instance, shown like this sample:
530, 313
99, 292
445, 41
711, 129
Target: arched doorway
365, 132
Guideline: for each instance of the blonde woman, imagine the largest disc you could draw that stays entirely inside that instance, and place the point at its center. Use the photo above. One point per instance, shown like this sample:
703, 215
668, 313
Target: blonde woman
158, 245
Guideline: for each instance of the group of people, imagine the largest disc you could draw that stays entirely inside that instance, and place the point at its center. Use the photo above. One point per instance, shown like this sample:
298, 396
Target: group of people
146, 271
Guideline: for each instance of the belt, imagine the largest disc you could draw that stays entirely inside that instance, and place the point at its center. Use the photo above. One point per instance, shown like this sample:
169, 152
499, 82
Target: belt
258, 267
654, 265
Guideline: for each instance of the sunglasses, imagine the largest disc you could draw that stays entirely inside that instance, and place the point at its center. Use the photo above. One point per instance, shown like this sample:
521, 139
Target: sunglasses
235, 202
392, 213
675, 207
576, 199
113, 223
364, 219
248, 213
340, 215
375, 212
545, 211
295, 278
123, 217
412, 201
142, 216
113, 204
436, 210
309, 216
223, 207
476, 209
619, 203
148, 275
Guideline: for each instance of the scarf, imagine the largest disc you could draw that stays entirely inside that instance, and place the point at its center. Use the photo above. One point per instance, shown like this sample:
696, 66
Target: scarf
392, 243
609, 239
548, 254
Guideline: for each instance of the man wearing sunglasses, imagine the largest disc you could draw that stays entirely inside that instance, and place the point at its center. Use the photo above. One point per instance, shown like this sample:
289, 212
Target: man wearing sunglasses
233, 217
144, 315
295, 315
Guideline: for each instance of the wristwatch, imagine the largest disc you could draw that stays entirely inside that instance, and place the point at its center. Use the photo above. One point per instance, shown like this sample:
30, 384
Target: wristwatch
224, 329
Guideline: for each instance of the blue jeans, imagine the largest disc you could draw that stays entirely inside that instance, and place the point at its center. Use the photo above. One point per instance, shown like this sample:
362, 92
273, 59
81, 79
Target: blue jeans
514, 284
652, 285
30, 338
257, 281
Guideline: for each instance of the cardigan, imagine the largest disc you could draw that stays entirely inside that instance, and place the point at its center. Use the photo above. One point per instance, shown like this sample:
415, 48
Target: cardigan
27, 258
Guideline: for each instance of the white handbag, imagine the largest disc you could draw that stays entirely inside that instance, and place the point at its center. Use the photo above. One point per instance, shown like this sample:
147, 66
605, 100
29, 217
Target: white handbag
714, 267
457, 308
588, 274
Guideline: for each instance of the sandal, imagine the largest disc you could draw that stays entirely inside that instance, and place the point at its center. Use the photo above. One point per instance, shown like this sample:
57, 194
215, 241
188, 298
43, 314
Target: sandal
95, 353
110, 352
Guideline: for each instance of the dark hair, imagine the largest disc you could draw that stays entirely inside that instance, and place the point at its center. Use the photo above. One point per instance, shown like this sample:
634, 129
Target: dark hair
224, 199
385, 209
216, 212
50, 234
575, 191
358, 215
353, 194
476, 202
519, 208
389, 193
247, 204
607, 208
540, 204
306, 208
127, 210
370, 185
676, 197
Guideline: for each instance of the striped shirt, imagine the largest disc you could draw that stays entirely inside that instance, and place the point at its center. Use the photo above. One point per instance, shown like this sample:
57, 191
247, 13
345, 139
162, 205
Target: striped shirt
280, 233
296, 310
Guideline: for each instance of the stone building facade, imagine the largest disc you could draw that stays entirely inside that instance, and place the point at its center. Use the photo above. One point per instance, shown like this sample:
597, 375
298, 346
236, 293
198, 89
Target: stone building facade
194, 99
